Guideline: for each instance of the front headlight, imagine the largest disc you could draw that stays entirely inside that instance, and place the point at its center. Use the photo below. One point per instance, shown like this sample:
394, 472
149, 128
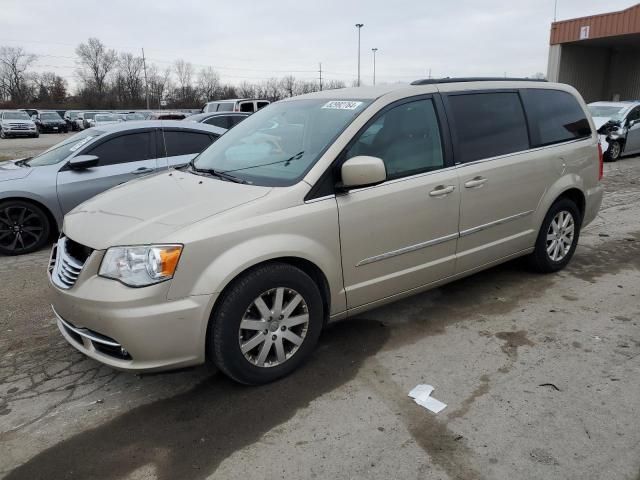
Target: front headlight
141, 266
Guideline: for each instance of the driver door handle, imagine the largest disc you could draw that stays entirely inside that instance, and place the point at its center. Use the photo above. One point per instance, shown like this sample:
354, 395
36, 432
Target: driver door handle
441, 191
475, 182
143, 170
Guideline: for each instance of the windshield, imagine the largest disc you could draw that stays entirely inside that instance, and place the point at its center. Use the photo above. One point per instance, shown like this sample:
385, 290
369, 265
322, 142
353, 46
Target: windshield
62, 150
50, 116
607, 111
106, 118
278, 145
89, 115
15, 116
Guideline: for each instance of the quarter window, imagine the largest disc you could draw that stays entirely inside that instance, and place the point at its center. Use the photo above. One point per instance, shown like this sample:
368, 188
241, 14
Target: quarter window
185, 143
222, 122
406, 138
125, 148
487, 125
554, 116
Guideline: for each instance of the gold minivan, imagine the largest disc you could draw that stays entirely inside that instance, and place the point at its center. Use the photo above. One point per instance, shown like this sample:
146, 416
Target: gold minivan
320, 207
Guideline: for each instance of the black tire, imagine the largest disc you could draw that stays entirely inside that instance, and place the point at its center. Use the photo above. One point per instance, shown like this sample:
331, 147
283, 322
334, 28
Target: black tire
541, 260
2, 134
37, 135
614, 152
24, 227
237, 300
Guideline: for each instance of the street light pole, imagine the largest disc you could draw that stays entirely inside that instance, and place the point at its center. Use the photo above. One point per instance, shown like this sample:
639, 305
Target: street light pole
374, 50
359, 26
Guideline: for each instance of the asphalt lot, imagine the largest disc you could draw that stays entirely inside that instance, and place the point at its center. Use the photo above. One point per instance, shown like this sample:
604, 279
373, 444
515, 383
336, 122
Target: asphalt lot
540, 374
11, 148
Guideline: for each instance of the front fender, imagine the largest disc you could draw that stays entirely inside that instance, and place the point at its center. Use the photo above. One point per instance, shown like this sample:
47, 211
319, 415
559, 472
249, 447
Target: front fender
51, 205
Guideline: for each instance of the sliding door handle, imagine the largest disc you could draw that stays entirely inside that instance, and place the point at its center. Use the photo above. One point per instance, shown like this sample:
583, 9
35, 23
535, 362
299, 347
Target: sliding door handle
475, 182
441, 191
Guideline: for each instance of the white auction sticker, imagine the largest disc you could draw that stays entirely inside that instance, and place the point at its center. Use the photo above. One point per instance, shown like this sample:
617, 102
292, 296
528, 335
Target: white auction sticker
81, 143
342, 105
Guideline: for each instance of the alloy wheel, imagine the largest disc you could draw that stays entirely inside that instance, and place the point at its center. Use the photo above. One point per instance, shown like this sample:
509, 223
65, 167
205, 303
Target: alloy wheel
560, 236
274, 327
20, 228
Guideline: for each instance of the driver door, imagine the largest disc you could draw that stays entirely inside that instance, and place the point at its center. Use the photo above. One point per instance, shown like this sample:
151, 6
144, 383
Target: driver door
122, 157
401, 234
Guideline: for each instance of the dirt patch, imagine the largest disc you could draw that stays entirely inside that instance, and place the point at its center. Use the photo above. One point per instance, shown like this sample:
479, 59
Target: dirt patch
608, 258
479, 391
512, 341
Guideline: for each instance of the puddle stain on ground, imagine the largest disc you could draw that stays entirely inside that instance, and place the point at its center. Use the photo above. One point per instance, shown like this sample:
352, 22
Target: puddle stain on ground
479, 391
188, 435
445, 448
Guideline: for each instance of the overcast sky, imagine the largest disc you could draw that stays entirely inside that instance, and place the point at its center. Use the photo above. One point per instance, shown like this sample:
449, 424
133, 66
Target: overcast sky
255, 40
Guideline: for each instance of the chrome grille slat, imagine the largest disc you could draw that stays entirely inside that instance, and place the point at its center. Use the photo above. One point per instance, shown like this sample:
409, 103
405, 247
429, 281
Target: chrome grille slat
64, 269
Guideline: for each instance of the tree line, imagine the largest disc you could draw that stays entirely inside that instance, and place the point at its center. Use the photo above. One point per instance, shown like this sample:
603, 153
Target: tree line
112, 80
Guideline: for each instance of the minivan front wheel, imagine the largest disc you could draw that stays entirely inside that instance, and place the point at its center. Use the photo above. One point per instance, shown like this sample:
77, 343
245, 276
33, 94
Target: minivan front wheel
267, 324
558, 237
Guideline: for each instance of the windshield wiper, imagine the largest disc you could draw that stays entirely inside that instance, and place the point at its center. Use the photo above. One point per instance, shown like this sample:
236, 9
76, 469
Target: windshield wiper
219, 174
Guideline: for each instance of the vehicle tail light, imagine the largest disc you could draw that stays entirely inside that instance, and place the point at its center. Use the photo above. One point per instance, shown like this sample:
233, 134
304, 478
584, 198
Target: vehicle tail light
601, 162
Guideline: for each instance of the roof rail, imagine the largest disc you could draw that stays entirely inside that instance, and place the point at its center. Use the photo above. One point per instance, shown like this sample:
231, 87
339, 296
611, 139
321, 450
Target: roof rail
431, 81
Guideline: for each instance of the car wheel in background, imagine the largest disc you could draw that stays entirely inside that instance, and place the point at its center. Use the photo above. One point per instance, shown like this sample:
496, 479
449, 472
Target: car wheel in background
2, 134
614, 151
24, 227
266, 324
558, 237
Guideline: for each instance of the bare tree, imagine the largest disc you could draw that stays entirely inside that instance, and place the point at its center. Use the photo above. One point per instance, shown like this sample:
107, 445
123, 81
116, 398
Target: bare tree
208, 84
185, 93
96, 63
14, 63
288, 85
246, 90
159, 84
51, 89
130, 70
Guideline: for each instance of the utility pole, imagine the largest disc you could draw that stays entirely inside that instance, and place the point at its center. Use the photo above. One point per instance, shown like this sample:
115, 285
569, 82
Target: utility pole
359, 26
555, 11
374, 50
146, 82
320, 72
429, 73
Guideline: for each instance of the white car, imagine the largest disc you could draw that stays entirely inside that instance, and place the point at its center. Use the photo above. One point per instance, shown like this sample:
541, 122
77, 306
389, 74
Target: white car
104, 119
618, 125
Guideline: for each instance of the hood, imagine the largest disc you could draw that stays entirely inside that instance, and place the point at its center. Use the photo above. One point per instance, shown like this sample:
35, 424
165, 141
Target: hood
10, 171
19, 122
147, 210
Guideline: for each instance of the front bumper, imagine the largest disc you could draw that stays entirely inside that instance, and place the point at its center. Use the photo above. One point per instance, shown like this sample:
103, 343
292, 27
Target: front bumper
132, 329
52, 128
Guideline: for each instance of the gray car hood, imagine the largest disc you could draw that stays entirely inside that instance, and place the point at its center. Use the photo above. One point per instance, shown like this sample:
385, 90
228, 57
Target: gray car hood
10, 171
146, 211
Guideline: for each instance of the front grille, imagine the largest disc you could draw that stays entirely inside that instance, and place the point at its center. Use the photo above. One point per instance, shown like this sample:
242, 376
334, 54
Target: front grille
65, 266
19, 126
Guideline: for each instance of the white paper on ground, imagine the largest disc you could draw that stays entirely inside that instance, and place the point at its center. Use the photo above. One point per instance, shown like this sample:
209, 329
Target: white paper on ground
421, 394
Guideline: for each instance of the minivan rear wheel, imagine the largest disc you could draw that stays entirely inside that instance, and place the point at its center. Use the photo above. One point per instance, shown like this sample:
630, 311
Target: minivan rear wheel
267, 324
558, 237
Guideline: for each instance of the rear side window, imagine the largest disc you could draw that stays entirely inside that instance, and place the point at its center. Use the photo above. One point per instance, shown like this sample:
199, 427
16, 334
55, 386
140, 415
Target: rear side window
125, 148
554, 116
487, 125
236, 119
262, 105
185, 143
218, 122
246, 107
225, 107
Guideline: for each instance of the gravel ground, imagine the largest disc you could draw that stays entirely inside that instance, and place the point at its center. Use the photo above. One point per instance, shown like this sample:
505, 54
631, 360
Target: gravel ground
540, 374
11, 148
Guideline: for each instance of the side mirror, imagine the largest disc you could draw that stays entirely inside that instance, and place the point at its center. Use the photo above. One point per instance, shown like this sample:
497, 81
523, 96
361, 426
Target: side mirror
82, 162
363, 171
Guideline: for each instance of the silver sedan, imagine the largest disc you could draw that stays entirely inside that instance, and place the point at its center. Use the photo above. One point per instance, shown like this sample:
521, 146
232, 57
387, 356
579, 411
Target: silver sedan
36, 193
